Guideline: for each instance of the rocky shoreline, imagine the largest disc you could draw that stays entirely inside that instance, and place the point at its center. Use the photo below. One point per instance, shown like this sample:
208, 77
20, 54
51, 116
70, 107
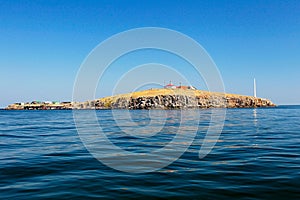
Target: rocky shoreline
177, 102
157, 99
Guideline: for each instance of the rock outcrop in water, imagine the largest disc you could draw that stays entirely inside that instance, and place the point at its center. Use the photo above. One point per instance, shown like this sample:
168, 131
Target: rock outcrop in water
175, 99
185, 102
158, 99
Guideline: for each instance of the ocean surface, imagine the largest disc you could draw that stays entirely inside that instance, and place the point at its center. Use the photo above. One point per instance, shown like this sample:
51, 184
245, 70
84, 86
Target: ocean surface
257, 156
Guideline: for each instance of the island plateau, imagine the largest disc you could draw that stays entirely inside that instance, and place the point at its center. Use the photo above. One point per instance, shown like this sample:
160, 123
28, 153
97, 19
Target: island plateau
181, 97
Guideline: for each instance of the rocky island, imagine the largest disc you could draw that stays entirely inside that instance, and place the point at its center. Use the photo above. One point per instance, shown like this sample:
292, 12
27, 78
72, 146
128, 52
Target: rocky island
182, 97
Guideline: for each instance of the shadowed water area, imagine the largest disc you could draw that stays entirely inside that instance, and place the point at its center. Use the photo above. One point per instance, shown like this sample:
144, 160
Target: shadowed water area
255, 157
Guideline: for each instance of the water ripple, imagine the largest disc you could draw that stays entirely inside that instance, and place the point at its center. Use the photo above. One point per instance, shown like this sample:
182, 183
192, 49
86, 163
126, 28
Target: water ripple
256, 157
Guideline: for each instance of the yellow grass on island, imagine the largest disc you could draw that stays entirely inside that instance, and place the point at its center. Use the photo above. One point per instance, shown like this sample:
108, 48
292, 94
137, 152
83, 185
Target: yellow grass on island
167, 91
180, 97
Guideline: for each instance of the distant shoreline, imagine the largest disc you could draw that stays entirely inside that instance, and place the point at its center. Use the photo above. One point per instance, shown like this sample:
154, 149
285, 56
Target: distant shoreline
277, 106
161, 99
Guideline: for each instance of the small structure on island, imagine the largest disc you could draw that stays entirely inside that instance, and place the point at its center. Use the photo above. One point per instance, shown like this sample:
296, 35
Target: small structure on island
171, 86
254, 87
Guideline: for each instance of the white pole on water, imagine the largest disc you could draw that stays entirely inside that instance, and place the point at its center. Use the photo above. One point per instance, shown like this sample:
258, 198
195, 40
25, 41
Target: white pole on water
254, 87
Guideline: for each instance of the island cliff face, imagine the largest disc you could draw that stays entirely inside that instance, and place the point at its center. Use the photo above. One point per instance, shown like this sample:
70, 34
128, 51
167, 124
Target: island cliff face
157, 99
175, 99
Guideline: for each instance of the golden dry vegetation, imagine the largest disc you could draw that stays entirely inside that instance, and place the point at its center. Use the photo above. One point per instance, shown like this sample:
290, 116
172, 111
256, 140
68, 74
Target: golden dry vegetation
163, 91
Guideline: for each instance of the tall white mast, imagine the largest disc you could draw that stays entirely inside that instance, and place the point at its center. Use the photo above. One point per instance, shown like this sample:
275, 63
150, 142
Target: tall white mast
254, 87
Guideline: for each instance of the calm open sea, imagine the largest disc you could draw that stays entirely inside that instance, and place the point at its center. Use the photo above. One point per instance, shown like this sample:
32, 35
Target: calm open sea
257, 156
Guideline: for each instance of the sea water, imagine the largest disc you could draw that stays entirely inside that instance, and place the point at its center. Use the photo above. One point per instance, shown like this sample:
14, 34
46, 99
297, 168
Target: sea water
256, 156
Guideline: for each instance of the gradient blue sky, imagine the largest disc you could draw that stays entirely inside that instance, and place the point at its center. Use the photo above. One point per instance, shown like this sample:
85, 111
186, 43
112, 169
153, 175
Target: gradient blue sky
43, 43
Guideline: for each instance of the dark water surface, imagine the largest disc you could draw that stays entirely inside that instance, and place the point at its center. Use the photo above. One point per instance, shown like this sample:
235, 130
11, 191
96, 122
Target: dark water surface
257, 156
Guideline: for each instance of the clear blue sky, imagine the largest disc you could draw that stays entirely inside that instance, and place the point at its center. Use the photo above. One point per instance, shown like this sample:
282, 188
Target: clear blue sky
43, 43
